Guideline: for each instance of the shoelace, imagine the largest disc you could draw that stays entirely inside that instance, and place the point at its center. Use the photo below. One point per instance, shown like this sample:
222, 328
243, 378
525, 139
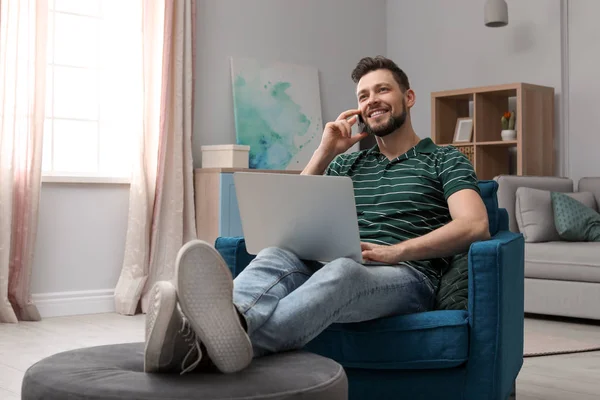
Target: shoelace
189, 336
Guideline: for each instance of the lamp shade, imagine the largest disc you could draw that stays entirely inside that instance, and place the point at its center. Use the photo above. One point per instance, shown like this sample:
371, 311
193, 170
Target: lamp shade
496, 13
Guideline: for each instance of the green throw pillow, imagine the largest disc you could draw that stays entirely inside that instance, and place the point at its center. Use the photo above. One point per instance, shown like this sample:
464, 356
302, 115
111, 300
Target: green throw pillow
453, 293
574, 221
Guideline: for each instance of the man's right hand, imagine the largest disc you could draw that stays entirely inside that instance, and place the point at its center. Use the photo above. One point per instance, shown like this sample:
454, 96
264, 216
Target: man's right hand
337, 136
337, 139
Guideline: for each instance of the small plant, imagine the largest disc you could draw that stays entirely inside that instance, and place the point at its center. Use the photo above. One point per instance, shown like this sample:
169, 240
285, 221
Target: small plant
508, 121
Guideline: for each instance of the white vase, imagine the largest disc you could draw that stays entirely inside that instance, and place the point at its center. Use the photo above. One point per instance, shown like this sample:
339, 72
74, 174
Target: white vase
508, 134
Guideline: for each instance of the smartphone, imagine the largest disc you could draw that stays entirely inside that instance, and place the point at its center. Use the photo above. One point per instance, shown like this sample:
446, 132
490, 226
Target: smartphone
361, 124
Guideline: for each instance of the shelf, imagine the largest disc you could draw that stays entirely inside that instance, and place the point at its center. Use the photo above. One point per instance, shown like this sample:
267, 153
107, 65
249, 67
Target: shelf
494, 160
491, 106
458, 144
509, 89
491, 143
497, 143
532, 154
446, 110
456, 96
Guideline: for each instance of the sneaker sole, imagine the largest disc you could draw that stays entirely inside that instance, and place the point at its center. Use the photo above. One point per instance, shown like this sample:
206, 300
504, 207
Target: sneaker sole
205, 288
161, 309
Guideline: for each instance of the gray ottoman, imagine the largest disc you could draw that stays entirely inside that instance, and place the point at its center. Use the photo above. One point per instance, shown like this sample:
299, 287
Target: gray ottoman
116, 372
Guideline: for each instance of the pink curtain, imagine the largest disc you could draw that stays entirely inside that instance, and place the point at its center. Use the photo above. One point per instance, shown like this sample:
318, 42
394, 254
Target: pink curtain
23, 28
161, 203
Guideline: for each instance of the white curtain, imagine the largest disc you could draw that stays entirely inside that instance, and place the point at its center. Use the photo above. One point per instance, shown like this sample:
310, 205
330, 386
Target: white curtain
23, 30
161, 203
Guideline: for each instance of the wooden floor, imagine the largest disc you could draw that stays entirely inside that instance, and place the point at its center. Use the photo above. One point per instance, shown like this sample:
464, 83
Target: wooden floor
574, 376
25, 343
569, 376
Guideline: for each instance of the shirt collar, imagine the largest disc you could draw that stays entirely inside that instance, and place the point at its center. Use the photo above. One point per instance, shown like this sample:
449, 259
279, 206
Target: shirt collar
425, 146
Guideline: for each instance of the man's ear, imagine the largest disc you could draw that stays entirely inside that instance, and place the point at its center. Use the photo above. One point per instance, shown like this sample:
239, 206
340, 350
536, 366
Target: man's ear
410, 97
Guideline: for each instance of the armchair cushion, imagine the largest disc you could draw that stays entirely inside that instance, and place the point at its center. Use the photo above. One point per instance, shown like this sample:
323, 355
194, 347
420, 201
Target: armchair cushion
453, 293
454, 285
429, 340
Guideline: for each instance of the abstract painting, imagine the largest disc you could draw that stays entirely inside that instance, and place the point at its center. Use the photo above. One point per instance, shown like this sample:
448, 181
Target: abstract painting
277, 112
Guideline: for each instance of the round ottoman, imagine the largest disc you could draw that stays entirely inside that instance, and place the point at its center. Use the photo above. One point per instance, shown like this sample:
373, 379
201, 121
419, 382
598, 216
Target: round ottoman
117, 372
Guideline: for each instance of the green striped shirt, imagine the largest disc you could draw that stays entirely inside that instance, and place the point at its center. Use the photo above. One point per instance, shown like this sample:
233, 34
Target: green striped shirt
407, 197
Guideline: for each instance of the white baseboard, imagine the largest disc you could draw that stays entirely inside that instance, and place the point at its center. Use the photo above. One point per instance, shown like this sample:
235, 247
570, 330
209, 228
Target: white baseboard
59, 304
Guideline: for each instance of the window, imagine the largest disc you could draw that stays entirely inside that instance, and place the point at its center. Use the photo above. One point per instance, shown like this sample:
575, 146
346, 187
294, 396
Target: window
94, 83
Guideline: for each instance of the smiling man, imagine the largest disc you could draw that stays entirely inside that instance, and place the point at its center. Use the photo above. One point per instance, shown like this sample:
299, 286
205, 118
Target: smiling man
417, 204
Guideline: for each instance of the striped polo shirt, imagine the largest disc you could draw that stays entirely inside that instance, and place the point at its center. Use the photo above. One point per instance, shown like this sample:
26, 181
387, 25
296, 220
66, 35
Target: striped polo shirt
406, 197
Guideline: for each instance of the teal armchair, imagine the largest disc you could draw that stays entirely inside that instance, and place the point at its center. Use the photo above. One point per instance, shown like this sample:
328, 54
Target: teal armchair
473, 354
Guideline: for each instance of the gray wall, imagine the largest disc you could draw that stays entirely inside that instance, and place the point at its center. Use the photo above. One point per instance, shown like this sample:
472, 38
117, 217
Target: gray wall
583, 140
331, 35
444, 45
441, 44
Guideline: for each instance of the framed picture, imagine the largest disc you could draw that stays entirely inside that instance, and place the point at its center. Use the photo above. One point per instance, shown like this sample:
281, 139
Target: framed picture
277, 112
463, 132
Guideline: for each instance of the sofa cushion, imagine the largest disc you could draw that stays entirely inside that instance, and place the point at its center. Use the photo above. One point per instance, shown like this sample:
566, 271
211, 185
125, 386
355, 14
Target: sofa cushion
507, 191
563, 261
535, 216
574, 221
435, 339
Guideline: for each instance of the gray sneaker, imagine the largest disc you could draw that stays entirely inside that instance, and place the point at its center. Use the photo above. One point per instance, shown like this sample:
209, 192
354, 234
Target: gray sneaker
205, 288
170, 340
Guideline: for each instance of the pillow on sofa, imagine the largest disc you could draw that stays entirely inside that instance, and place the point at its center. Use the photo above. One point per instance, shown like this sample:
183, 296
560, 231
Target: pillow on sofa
454, 285
534, 213
575, 221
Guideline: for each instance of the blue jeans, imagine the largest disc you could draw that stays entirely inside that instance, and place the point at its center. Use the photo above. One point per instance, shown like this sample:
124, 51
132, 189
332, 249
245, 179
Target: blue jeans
287, 302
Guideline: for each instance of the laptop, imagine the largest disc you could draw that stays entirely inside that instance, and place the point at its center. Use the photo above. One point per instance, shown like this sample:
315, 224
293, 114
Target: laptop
312, 216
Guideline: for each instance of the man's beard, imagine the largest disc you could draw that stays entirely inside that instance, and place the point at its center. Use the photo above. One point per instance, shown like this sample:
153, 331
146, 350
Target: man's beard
393, 123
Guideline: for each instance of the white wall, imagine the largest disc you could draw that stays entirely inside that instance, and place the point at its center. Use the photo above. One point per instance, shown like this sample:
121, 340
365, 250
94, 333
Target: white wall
79, 248
444, 45
331, 35
583, 140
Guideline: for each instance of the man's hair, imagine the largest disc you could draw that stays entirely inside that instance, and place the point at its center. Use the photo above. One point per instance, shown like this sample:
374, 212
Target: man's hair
370, 64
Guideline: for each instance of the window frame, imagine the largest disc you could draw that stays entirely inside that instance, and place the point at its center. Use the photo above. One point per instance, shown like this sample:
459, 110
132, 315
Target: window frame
59, 176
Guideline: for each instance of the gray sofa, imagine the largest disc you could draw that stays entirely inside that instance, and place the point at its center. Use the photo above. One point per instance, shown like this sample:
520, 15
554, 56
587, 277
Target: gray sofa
561, 278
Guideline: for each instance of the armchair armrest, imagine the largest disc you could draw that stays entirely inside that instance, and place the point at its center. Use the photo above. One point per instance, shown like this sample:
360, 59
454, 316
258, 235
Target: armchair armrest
233, 250
502, 219
496, 315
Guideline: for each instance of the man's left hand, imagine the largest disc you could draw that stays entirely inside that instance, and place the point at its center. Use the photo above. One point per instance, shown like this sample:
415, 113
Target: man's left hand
380, 253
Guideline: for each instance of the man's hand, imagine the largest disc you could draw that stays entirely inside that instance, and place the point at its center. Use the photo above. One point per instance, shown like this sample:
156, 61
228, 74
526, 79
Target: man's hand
380, 253
337, 139
337, 136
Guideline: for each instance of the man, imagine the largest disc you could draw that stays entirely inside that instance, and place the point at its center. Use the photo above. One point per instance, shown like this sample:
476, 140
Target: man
418, 204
